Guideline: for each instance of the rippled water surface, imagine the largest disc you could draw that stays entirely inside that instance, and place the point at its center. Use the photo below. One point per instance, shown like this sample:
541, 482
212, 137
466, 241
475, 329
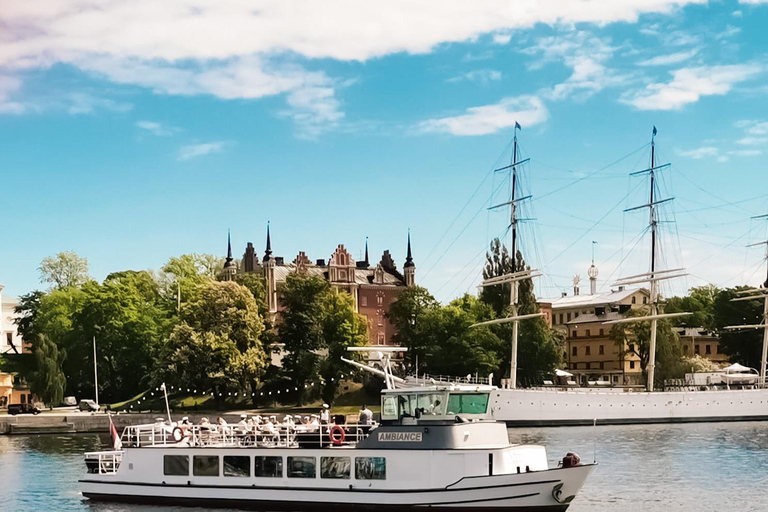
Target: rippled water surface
719, 467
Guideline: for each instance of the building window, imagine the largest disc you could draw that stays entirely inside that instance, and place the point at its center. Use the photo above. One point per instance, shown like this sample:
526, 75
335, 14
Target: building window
271, 467
335, 467
237, 465
634, 300
696, 349
9, 338
23, 398
588, 351
708, 348
601, 350
575, 334
370, 468
364, 301
575, 351
588, 333
645, 300
176, 465
602, 365
568, 317
631, 347
631, 365
561, 318
380, 339
205, 465
587, 366
380, 299
602, 332
301, 467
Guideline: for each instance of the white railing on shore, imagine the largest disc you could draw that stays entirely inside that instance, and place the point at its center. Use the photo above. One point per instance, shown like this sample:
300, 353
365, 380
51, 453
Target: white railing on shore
104, 463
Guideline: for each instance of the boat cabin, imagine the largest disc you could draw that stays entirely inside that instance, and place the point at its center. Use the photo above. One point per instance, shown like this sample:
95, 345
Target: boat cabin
436, 403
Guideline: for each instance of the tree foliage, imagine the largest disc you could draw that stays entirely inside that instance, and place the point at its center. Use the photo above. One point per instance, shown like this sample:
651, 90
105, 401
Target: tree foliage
701, 302
742, 346
48, 381
64, 269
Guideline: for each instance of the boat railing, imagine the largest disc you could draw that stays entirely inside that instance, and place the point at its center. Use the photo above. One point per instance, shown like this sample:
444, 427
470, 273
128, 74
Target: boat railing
266, 436
103, 463
427, 379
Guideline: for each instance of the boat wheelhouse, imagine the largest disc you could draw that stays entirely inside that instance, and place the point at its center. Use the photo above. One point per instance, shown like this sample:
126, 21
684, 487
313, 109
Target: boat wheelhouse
436, 447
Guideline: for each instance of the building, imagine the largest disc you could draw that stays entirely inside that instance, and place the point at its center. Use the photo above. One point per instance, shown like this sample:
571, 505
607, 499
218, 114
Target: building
591, 353
698, 341
11, 390
373, 286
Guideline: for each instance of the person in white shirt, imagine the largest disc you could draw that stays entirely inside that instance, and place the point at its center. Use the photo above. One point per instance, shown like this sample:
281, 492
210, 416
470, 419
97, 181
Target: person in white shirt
325, 414
366, 416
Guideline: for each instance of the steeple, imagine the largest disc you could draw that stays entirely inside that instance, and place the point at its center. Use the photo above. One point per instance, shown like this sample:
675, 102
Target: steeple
592, 273
230, 268
367, 263
409, 269
268, 251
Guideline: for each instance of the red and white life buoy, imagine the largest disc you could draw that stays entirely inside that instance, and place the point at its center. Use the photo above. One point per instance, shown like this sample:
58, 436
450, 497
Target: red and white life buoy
337, 435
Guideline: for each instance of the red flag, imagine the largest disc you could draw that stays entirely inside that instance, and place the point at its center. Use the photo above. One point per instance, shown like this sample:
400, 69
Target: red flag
113, 432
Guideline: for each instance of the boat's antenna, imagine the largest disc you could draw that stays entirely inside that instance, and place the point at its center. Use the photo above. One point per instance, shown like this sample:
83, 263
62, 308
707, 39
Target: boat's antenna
758, 293
653, 277
515, 276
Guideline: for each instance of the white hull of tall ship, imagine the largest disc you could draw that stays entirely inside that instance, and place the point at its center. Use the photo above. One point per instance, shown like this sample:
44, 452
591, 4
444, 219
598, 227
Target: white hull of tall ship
586, 406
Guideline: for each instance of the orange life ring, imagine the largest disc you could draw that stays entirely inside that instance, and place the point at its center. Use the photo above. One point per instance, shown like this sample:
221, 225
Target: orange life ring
337, 435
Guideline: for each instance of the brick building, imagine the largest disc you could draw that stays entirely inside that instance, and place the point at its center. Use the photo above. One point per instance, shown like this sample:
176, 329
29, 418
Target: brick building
373, 286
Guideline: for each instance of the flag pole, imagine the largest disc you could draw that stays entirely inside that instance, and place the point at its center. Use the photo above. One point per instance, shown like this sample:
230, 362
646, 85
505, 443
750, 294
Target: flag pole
95, 371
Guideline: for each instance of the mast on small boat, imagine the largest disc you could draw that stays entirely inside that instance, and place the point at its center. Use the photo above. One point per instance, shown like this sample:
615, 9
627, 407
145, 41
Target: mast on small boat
758, 293
515, 276
654, 276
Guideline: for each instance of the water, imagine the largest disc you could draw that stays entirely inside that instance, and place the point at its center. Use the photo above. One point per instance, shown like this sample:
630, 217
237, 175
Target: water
671, 468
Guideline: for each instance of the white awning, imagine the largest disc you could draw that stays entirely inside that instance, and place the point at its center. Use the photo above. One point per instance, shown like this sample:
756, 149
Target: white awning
563, 373
736, 368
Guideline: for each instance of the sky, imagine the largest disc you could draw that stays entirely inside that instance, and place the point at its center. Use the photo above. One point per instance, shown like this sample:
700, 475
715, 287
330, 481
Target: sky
134, 131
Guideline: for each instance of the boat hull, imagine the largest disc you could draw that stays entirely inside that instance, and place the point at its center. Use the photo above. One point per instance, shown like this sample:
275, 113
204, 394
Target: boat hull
538, 491
558, 407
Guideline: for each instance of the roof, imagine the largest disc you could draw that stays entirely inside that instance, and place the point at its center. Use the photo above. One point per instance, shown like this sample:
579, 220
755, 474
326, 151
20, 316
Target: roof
592, 318
612, 297
362, 275
694, 332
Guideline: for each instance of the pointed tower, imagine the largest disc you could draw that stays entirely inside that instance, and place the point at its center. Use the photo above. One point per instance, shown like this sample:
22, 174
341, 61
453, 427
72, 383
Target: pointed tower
268, 264
409, 269
592, 273
230, 267
367, 262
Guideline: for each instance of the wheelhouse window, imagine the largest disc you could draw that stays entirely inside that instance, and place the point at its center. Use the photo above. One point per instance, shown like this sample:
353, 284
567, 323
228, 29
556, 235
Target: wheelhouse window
335, 467
237, 465
389, 408
468, 403
370, 468
176, 465
271, 467
205, 465
301, 467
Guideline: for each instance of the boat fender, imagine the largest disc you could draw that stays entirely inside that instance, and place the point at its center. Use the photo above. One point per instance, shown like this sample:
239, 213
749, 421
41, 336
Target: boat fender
177, 434
337, 435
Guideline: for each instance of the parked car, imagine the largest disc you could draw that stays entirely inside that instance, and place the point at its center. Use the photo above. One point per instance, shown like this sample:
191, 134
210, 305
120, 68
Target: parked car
88, 406
14, 409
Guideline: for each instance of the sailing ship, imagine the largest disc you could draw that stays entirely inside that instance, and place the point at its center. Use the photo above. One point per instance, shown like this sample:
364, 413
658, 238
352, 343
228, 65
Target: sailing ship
436, 447
588, 406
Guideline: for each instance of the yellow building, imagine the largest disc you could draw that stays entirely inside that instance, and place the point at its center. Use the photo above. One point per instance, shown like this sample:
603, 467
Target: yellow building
11, 391
697, 341
592, 356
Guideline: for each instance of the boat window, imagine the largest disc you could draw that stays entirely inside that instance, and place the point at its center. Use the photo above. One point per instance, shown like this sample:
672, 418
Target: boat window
468, 403
407, 405
301, 467
370, 468
335, 467
389, 408
205, 465
431, 404
237, 465
176, 465
268, 466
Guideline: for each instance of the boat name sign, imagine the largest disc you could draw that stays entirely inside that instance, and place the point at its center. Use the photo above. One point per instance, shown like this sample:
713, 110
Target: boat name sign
400, 437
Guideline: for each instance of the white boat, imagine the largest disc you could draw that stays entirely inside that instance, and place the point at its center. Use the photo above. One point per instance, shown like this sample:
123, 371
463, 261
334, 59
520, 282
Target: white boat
436, 447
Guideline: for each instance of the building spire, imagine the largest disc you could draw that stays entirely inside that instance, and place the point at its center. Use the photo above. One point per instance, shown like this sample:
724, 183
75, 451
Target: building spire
367, 264
229, 261
409, 257
268, 251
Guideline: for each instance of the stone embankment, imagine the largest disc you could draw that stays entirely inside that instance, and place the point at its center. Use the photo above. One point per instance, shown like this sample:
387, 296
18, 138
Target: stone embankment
74, 422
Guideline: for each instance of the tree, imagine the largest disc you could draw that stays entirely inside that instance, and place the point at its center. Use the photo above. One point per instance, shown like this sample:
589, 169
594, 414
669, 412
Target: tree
540, 348
181, 277
742, 346
301, 330
48, 381
63, 270
406, 314
669, 352
342, 328
26, 314
701, 302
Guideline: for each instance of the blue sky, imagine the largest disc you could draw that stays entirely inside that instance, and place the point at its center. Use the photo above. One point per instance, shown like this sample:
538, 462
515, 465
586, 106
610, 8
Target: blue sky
137, 131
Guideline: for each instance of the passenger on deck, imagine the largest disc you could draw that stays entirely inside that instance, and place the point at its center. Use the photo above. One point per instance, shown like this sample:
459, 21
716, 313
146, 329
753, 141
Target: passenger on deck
325, 414
366, 416
242, 425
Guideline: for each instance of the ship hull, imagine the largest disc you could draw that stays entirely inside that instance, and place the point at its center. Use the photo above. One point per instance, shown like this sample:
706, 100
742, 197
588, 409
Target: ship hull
558, 407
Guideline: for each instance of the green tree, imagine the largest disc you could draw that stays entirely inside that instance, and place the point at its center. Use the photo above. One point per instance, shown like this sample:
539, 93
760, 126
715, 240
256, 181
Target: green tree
406, 314
63, 270
742, 346
342, 328
26, 315
301, 330
182, 277
48, 381
701, 302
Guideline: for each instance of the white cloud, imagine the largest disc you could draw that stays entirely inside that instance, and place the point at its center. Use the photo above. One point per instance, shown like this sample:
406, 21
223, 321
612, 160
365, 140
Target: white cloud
746, 152
228, 48
157, 129
8, 86
699, 153
672, 58
526, 110
689, 85
482, 76
83, 103
753, 2
502, 38
755, 132
196, 150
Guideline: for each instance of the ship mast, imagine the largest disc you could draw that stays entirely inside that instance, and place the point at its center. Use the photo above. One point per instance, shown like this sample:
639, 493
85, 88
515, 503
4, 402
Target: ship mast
758, 293
654, 276
515, 276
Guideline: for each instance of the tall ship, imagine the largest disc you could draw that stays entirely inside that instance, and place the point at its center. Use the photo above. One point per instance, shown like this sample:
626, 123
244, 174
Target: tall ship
731, 395
436, 447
